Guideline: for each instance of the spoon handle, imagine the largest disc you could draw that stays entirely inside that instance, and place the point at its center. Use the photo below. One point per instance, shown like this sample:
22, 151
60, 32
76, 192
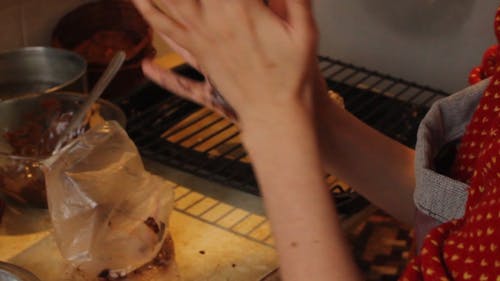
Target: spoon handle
96, 92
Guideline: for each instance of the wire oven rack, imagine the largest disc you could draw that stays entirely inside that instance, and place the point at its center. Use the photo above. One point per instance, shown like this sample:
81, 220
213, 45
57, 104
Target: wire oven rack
184, 135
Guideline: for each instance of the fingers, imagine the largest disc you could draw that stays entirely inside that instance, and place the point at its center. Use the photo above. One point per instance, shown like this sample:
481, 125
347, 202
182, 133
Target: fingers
195, 91
159, 20
183, 11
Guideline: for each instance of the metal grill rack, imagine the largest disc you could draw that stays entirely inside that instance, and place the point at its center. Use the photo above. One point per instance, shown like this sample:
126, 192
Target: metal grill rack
181, 134
224, 216
391, 105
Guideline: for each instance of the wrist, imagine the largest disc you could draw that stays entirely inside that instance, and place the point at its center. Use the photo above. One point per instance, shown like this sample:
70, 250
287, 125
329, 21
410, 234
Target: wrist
274, 118
288, 131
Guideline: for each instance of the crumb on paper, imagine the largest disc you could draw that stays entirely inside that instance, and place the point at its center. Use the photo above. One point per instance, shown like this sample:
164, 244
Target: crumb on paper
152, 224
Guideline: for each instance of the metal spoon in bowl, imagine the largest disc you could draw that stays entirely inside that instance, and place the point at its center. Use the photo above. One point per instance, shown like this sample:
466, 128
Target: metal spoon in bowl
96, 92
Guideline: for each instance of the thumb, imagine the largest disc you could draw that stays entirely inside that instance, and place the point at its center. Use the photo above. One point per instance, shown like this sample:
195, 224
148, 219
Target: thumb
300, 12
198, 92
296, 10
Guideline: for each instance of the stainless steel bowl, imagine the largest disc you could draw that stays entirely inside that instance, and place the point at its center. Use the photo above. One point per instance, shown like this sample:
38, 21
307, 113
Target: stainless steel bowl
40, 70
10, 272
14, 112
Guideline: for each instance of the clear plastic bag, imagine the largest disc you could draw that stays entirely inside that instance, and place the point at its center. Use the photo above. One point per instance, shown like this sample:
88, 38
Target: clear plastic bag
110, 215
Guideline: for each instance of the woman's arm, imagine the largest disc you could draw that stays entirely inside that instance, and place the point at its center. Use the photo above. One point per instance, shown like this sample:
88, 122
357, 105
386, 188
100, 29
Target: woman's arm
284, 151
379, 168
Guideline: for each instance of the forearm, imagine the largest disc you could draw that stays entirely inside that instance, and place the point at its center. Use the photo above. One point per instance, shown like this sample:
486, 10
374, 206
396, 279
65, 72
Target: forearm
379, 168
286, 160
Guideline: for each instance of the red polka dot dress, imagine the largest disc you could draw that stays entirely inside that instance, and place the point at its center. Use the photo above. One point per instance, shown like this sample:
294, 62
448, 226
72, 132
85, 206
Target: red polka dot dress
469, 248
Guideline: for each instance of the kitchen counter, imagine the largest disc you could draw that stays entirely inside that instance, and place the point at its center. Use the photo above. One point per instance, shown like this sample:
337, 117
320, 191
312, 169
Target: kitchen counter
218, 233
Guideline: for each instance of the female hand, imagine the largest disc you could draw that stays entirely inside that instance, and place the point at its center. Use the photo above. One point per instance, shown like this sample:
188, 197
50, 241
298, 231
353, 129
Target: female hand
204, 92
259, 59
265, 65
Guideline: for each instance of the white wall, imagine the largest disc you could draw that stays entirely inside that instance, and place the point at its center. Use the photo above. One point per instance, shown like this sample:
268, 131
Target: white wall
433, 42
30, 22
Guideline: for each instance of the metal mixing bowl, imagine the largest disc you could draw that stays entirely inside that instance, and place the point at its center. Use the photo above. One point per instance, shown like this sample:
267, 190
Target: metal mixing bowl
29, 129
10, 272
40, 70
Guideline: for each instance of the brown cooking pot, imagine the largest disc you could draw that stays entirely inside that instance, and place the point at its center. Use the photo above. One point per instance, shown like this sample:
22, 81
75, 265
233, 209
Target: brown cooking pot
97, 31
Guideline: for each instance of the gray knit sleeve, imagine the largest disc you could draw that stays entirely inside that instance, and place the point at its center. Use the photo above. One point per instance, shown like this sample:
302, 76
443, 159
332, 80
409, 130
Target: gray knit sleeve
437, 195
